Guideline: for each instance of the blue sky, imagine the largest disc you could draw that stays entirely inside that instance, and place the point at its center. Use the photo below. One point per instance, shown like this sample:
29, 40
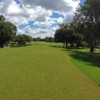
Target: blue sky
82, 1
38, 18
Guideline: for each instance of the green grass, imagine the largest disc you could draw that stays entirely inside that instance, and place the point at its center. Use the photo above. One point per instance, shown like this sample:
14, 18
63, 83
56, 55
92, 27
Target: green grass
43, 72
87, 62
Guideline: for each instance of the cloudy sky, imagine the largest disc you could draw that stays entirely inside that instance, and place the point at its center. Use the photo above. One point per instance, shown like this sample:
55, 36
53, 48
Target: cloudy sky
38, 18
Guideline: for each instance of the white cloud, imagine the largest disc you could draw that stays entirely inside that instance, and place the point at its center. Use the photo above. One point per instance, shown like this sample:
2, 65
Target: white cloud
38, 11
13, 9
19, 31
59, 5
43, 33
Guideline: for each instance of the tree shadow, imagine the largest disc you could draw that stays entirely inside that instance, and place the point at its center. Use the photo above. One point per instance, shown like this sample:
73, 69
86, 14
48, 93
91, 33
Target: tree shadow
92, 59
55, 46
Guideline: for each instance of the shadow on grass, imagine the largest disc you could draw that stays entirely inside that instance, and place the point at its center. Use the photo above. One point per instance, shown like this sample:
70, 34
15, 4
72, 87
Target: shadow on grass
92, 59
55, 46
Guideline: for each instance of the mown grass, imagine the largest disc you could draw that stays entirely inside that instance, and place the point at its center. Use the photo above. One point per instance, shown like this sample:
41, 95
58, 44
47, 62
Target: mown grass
42, 72
89, 63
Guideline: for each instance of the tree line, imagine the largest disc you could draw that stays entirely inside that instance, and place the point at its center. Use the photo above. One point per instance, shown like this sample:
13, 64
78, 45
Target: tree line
46, 39
8, 34
84, 30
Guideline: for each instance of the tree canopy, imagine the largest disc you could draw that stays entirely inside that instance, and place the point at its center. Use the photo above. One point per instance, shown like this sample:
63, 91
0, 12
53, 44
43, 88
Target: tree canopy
22, 39
7, 31
66, 34
84, 30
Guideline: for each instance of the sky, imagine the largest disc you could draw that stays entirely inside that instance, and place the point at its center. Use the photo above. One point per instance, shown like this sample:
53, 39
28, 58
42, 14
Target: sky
38, 18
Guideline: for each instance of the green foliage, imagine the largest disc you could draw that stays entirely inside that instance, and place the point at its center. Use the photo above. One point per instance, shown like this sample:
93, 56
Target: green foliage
7, 31
2, 18
22, 39
37, 39
84, 30
87, 21
46, 39
67, 34
49, 39
95, 5
60, 36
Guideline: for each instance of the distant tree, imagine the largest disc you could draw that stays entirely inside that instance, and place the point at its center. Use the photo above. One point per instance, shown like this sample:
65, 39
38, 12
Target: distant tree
2, 18
37, 39
22, 39
7, 31
67, 35
85, 28
49, 39
27, 38
63, 34
60, 36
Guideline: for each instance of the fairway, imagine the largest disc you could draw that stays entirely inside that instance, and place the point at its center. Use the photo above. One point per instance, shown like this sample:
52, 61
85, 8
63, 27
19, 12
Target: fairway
43, 72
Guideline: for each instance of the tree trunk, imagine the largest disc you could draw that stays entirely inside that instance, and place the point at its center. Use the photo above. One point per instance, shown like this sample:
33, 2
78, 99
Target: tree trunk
63, 45
72, 45
92, 49
92, 45
77, 45
1, 45
66, 45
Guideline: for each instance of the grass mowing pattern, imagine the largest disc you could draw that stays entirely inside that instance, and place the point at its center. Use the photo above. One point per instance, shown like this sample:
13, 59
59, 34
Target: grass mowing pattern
87, 62
42, 72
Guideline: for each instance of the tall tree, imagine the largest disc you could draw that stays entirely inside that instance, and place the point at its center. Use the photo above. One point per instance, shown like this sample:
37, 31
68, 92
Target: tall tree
67, 35
87, 19
95, 5
7, 31
61, 34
